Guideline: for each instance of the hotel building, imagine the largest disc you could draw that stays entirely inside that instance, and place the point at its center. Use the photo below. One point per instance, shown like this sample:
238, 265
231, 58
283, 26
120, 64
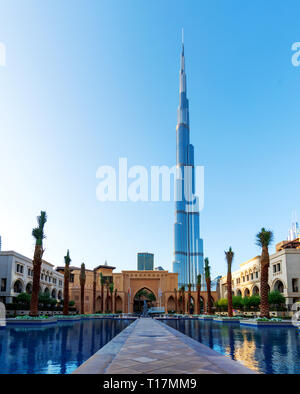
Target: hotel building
16, 273
284, 274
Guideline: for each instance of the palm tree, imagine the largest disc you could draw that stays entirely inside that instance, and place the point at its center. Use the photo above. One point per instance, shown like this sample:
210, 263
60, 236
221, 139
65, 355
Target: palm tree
208, 282
38, 234
198, 294
94, 290
263, 239
229, 257
66, 283
82, 284
111, 289
116, 294
102, 283
107, 297
182, 289
189, 298
175, 291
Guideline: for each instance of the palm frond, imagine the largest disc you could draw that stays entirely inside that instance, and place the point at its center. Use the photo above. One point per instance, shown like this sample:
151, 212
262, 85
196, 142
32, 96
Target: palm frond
199, 279
229, 256
264, 238
67, 258
206, 268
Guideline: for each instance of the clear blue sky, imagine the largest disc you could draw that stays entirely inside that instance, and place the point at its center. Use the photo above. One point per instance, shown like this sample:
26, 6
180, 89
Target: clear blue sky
87, 82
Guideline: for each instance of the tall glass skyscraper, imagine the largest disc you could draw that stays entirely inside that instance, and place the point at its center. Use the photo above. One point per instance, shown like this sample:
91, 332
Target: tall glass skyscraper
145, 262
188, 246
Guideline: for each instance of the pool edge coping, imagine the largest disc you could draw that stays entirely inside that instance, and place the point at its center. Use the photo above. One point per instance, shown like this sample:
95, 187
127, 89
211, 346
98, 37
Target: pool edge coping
220, 360
99, 361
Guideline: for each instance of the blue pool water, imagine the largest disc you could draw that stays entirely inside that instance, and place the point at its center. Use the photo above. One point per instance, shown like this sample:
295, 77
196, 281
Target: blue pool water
271, 350
55, 348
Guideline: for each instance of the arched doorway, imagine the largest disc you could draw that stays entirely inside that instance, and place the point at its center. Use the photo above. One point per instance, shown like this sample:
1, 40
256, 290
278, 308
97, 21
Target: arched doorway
59, 295
239, 293
192, 306
29, 288
18, 287
278, 286
53, 293
255, 291
98, 304
46, 291
171, 307
118, 305
247, 292
142, 295
201, 304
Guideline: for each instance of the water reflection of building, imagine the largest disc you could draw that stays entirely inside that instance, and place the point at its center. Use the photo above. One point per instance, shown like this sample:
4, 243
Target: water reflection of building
54, 348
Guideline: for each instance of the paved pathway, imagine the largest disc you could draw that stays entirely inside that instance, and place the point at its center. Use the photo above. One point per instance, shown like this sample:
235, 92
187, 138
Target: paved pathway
153, 348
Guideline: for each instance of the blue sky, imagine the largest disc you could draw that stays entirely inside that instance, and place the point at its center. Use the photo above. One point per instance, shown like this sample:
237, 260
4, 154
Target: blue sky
87, 82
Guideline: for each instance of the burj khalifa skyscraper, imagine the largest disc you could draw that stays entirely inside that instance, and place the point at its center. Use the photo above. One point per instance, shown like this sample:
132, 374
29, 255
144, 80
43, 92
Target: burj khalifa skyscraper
188, 246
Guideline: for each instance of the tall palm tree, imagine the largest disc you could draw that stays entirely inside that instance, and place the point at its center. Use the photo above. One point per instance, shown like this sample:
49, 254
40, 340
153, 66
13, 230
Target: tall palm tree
102, 283
116, 294
94, 290
229, 257
111, 289
263, 239
66, 283
208, 283
189, 298
107, 297
182, 289
39, 235
175, 291
82, 284
198, 294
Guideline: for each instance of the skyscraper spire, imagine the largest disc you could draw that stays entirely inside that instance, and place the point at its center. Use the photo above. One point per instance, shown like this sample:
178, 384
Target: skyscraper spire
188, 247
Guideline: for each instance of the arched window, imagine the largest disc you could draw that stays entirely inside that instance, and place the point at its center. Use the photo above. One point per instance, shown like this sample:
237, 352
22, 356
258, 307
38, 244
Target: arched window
18, 288
278, 286
29, 288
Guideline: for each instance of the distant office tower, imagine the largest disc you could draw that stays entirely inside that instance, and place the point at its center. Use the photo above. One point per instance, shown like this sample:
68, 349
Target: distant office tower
159, 268
145, 261
188, 253
294, 231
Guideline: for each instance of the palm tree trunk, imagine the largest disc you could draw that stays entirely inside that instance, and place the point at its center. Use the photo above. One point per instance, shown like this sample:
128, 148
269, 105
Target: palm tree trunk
102, 298
82, 298
264, 279
176, 301
198, 300
66, 291
229, 293
209, 311
94, 293
107, 299
37, 263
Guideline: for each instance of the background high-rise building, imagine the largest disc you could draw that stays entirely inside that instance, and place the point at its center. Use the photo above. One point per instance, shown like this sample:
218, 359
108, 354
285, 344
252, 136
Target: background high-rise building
294, 231
188, 253
145, 262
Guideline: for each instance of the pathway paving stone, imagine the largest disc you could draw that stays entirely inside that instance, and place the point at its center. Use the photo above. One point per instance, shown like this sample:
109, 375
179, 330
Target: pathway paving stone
154, 348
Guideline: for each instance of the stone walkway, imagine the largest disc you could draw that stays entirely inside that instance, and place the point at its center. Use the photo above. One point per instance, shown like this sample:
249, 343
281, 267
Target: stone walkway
154, 348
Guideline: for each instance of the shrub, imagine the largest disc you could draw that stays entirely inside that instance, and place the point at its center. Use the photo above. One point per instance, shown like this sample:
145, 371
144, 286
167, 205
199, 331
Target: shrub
23, 298
276, 298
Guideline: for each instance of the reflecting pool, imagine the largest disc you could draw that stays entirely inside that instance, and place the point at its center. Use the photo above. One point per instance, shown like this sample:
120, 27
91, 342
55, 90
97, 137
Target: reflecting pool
271, 350
55, 348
